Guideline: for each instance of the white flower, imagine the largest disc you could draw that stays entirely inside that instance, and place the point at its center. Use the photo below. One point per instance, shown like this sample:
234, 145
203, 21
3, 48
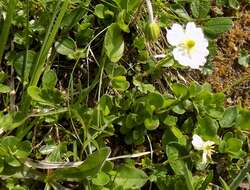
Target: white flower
205, 146
190, 45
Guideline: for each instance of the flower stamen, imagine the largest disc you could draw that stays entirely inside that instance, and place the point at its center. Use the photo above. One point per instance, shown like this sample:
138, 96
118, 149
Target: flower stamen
189, 44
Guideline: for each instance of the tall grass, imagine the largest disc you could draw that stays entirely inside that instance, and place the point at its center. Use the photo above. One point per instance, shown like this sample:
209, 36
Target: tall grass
6, 27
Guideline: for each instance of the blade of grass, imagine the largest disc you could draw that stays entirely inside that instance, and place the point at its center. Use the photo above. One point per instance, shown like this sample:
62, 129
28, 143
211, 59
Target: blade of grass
25, 60
241, 176
47, 45
6, 26
48, 41
188, 178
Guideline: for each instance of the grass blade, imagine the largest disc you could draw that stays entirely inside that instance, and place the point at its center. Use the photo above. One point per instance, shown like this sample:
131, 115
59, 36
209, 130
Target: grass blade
47, 45
242, 175
6, 26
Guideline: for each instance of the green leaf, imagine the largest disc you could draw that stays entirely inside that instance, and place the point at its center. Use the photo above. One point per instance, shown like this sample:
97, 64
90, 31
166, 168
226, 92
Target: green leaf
243, 119
151, 123
206, 182
12, 161
120, 83
173, 151
114, 70
65, 46
188, 178
229, 117
57, 154
35, 93
23, 149
144, 88
18, 64
49, 79
179, 109
131, 120
130, 178
12, 120
121, 23
178, 134
215, 26
224, 184
99, 11
106, 104
234, 4
155, 99
47, 149
10, 143
179, 90
114, 43
101, 179
170, 120
4, 89
200, 8
207, 128
90, 167
1, 165
244, 58
50, 97
233, 145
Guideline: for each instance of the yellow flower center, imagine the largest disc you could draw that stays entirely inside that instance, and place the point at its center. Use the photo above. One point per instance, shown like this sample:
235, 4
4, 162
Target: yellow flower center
189, 44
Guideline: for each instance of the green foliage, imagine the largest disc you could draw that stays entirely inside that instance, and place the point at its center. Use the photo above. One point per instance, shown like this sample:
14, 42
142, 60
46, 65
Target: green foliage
130, 178
114, 43
215, 26
88, 87
244, 58
90, 167
200, 8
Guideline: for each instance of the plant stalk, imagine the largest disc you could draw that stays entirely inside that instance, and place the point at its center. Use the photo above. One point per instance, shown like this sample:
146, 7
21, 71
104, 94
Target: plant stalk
6, 26
150, 11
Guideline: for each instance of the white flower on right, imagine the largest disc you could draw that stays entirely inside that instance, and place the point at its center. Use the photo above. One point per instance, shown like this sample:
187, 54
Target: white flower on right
190, 45
205, 146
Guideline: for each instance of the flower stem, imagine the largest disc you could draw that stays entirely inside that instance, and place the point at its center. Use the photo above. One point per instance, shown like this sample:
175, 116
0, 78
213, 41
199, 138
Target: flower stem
150, 11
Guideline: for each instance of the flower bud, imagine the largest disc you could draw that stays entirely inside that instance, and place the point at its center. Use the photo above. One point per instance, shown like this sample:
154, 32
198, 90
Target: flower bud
152, 31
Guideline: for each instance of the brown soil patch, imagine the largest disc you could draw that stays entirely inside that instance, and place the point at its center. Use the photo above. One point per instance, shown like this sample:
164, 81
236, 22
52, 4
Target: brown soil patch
228, 75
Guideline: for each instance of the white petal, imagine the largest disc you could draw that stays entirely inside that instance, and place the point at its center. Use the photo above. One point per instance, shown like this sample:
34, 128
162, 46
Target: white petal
193, 60
209, 143
181, 56
198, 59
175, 35
201, 44
194, 32
197, 142
204, 158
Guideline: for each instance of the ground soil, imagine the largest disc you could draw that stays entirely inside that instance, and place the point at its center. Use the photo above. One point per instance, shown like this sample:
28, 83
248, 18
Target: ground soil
228, 76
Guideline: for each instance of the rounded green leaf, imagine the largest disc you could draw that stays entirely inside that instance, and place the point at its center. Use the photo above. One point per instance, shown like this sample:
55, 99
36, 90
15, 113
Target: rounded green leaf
151, 123
65, 46
218, 25
243, 119
229, 117
101, 179
120, 83
200, 8
130, 178
207, 128
49, 79
4, 89
114, 43
99, 11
